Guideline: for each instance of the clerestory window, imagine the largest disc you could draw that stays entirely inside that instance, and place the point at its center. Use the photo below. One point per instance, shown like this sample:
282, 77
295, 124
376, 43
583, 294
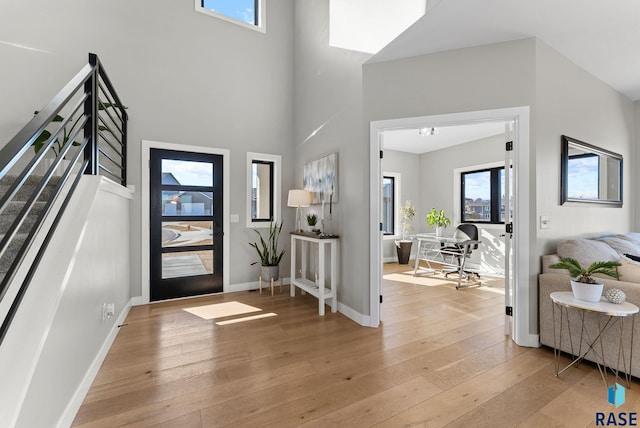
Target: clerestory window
248, 13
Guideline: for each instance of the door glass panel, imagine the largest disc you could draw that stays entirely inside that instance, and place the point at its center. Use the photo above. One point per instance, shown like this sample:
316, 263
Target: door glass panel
186, 203
187, 263
186, 233
261, 190
187, 173
477, 196
503, 205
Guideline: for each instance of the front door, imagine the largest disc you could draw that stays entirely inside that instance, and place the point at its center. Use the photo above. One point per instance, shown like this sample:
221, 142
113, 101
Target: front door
186, 224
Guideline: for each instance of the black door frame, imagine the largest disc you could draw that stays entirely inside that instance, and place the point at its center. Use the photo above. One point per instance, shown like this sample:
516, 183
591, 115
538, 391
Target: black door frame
167, 288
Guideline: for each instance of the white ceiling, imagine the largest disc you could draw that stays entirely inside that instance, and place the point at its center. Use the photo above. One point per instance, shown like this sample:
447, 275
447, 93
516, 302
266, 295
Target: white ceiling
409, 140
601, 37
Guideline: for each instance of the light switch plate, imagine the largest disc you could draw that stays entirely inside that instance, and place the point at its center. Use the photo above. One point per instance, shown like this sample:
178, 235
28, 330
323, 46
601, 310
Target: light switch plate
235, 218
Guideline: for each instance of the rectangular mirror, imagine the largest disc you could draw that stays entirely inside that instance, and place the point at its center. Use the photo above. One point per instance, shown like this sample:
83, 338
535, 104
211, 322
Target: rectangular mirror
590, 174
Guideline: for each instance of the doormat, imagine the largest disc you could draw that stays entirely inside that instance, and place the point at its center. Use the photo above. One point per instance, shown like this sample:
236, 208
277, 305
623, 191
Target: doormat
221, 310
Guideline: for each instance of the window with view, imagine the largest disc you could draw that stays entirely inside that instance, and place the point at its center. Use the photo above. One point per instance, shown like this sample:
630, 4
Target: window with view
388, 205
248, 13
482, 196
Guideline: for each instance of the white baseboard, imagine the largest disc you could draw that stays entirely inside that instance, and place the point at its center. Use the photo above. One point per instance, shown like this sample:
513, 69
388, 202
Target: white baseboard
253, 285
357, 317
76, 401
531, 341
138, 301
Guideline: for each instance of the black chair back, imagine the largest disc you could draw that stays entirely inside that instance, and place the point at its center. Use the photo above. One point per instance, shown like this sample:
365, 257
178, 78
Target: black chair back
468, 229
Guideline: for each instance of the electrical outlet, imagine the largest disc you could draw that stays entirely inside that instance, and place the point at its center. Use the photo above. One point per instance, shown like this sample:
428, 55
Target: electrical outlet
545, 221
108, 310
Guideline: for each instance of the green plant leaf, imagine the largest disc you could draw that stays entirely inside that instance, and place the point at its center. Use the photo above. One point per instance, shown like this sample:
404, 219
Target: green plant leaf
268, 249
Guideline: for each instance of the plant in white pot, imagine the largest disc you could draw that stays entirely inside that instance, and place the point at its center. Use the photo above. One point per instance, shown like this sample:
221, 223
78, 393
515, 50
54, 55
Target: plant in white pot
403, 246
269, 253
312, 221
438, 219
583, 284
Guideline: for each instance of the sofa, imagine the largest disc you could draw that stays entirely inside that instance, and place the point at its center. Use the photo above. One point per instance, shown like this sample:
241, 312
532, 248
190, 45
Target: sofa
624, 248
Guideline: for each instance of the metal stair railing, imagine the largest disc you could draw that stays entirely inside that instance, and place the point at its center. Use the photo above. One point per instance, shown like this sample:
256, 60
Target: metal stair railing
83, 130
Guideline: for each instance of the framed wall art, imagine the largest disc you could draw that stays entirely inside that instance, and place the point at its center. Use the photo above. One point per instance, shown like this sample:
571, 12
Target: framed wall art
321, 179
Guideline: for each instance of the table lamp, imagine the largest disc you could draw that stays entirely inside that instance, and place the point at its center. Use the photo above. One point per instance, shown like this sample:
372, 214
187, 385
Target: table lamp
298, 198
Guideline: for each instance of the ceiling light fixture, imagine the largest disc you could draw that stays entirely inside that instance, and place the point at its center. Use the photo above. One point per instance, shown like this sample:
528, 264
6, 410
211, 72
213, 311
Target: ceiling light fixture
427, 131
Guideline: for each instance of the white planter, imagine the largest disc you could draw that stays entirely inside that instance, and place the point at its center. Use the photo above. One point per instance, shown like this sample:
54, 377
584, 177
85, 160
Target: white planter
438, 231
587, 292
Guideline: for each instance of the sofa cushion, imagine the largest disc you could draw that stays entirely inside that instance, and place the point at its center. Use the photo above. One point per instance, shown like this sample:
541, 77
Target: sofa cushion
629, 270
587, 251
633, 237
621, 244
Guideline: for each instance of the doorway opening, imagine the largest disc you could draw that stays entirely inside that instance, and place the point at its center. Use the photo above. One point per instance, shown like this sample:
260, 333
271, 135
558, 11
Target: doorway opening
518, 302
186, 218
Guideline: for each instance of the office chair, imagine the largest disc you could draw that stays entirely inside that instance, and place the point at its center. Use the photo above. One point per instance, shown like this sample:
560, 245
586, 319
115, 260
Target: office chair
464, 232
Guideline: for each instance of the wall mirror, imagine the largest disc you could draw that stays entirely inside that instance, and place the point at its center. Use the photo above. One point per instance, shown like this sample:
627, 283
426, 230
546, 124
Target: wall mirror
590, 174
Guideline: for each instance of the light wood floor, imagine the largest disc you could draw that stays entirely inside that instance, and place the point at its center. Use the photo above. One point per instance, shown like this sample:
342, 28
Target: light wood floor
439, 359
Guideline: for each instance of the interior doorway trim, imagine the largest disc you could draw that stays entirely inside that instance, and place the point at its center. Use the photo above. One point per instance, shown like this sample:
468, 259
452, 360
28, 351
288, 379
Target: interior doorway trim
145, 157
524, 299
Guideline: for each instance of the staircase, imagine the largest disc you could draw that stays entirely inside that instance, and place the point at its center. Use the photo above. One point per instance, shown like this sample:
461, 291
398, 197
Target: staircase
85, 128
12, 212
64, 225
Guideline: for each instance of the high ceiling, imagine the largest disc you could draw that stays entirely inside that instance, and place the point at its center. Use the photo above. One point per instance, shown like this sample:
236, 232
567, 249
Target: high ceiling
601, 37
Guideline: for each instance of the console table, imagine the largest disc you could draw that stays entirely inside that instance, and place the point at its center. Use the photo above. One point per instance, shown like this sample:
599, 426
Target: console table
299, 278
611, 313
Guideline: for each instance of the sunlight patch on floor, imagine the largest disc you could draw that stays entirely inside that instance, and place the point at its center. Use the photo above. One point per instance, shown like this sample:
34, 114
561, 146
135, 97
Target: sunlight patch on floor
249, 318
221, 310
493, 285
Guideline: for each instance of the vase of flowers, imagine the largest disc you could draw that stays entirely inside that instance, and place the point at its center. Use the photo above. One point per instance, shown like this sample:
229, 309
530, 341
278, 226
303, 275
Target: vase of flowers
403, 246
438, 219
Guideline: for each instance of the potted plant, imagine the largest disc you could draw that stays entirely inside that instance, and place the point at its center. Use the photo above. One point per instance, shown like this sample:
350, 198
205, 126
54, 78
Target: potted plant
268, 252
67, 132
403, 246
438, 219
583, 284
312, 220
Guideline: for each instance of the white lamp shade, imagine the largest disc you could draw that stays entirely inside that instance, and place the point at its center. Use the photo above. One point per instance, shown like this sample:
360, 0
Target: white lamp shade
299, 198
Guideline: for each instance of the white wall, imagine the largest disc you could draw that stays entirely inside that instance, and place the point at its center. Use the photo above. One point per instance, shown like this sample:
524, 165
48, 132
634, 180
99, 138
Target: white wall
186, 78
408, 166
58, 337
574, 103
328, 118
